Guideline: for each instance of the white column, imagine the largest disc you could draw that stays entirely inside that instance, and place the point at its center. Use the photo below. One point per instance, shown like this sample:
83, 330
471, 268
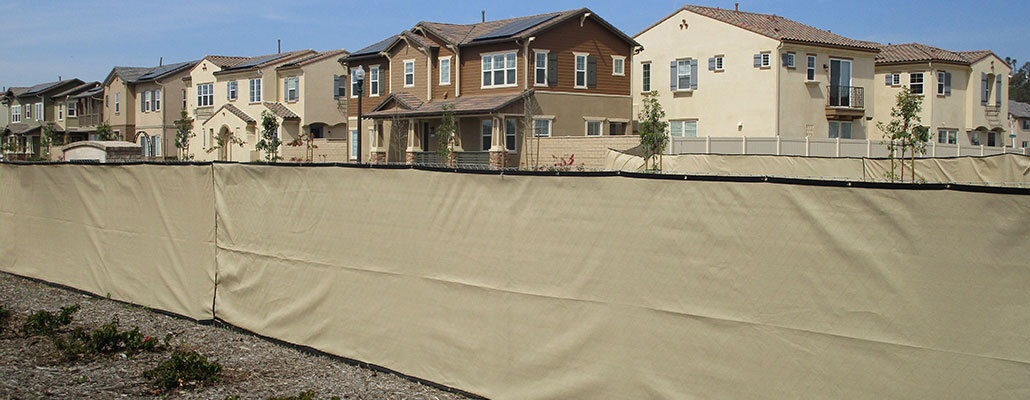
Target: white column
838, 147
806, 146
778, 145
411, 137
743, 145
708, 145
868, 147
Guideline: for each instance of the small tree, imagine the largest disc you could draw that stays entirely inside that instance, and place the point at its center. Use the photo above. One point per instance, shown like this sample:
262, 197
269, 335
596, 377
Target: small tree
903, 131
47, 138
183, 135
305, 139
653, 130
104, 131
445, 133
269, 143
226, 142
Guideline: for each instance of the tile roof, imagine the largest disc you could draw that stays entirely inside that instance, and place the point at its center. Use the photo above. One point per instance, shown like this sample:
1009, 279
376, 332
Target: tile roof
281, 111
314, 58
465, 33
917, 52
462, 105
975, 55
235, 111
777, 27
1018, 109
225, 61
252, 63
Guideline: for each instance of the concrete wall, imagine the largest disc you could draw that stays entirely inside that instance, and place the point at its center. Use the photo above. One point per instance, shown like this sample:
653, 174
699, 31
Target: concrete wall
587, 152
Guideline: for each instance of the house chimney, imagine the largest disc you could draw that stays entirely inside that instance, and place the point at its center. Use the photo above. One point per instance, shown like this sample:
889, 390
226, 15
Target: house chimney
484, 15
59, 78
736, 6
160, 61
278, 46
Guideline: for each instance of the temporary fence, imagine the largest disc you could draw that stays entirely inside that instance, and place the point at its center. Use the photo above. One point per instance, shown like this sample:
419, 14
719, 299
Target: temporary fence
592, 285
823, 147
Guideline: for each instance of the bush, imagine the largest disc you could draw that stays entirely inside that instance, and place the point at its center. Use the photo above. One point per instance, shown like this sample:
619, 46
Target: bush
5, 315
104, 340
45, 323
183, 368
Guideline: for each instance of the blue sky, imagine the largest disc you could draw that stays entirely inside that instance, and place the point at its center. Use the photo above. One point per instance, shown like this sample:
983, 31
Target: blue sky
84, 39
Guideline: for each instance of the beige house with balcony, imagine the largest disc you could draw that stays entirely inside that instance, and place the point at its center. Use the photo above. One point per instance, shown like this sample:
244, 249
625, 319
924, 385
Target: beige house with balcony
725, 73
142, 104
78, 111
965, 94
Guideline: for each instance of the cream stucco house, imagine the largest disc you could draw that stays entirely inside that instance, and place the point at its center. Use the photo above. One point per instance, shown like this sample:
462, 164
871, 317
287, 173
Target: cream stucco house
725, 73
965, 94
1019, 124
142, 104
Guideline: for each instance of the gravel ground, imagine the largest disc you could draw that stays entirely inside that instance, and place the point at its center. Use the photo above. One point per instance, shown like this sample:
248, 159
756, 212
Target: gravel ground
253, 368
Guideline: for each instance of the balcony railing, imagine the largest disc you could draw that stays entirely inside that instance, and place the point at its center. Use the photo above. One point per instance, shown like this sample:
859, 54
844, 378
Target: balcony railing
847, 96
88, 120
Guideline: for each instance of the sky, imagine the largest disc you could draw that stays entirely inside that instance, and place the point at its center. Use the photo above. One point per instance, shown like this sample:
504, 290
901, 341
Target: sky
85, 39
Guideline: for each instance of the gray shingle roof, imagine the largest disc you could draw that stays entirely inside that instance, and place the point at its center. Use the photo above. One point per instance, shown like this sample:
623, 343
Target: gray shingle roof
1018, 109
466, 33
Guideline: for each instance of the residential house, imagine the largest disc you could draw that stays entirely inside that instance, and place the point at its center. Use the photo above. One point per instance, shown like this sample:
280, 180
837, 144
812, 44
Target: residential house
563, 74
227, 96
142, 104
313, 105
1019, 124
5, 112
965, 94
725, 73
31, 109
79, 110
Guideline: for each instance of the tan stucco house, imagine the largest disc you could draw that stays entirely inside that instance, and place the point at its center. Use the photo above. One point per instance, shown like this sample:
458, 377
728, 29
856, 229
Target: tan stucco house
31, 108
965, 94
1019, 124
142, 104
724, 73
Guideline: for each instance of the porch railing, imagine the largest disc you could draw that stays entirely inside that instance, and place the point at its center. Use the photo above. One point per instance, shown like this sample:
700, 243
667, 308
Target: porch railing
473, 158
428, 158
846, 96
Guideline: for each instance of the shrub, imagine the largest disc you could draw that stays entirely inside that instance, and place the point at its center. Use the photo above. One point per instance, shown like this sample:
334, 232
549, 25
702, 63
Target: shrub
104, 340
46, 323
183, 368
5, 315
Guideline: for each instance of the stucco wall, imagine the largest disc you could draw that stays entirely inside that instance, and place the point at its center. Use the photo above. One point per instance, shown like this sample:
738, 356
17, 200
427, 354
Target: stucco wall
802, 106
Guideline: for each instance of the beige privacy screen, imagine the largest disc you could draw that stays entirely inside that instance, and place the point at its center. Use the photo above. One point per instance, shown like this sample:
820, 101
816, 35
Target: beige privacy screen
521, 287
139, 233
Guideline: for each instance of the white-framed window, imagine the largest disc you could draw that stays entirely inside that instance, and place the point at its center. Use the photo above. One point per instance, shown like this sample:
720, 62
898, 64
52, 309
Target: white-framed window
373, 81
540, 67
594, 127
510, 128
60, 112
39, 112
155, 146
974, 138
16, 113
840, 129
947, 136
788, 60
915, 82
581, 70
157, 100
542, 127
719, 66
486, 133
409, 73
499, 70
184, 94
810, 70
291, 89
445, 71
353, 84
686, 128
72, 109
896, 79
940, 82
354, 144
255, 90
232, 90
144, 105
645, 74
618, 66
766, 59
117, 103
1026, 124
683, 74
205, 95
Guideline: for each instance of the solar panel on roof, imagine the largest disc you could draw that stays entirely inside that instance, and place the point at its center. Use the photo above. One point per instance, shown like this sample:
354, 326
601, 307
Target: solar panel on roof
156, 72
515, 27
377, 47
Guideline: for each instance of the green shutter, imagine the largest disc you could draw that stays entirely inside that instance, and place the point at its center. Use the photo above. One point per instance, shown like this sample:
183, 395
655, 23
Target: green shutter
552, 69
591, 71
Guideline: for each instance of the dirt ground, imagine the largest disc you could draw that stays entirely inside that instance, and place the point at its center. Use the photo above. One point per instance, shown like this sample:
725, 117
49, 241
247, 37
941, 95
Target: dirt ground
253, 368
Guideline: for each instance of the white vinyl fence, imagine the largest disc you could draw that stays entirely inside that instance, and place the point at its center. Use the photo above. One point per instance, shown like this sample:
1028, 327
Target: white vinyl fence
805, 146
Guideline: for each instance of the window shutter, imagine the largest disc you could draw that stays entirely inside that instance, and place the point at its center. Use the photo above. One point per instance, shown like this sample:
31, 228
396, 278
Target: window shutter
591, 71
758, 60
672, 76
382, 82
783, 59
336, 86
142, 103
711, 64
286, 89
552, 69
890, 79
983, 88
997, 91
693, 74
947, 83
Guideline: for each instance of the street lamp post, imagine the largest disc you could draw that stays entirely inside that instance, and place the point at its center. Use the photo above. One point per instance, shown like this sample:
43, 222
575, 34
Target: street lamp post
359, 75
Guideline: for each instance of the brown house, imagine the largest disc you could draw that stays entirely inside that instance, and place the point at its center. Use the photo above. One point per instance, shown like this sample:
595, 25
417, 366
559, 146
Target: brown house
510, 83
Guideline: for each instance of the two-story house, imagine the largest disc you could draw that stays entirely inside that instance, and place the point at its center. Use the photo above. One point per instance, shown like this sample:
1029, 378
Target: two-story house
78, 111
725, 73
313, 104
558, 74
227, 98
142, 104
31, 109
965, 94
5, 112
1019, 124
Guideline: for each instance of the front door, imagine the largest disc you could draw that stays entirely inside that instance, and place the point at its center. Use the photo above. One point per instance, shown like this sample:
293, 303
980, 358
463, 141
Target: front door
224, 144
840, 83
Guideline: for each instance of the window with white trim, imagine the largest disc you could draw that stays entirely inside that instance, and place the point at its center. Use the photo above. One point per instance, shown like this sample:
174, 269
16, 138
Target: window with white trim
445, 70
683, 74
292, 89
255, 90
581, 71
145, 102
895, 79
155, 146
353, 84
840, 129
354, 143
540, 63
915, 82
594, 127
686, 128
510, 128
542, 127
409, 73
947, 136
60, 112
184, 94
39, 111
618, 65
941, 79
205, 95
373, 81
231, 89
486, 133
645, 73
765, 59
974, 138
157, 100
810, 71
719, 63
72, 109
15, 113
117, 103
498, 70
1026, 124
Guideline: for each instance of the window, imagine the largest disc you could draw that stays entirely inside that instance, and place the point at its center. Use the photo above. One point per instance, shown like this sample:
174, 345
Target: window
373, 80
540, 61
184, 98
1026, 124
409, 73
353, 84
144, 104
205, 95
542, 127
947, 136
683, 128
619, 65
232, 90
255, 90
594, 128
445, 71
1025, 144
15, 113
499, 70
72, 109
155, 146
811, 68
316, 132
974, 138
616, 128
896, 79
60, 112
510, 126
157, 100
682, 74
992, 138
354, 144
39, 112
339, 89
940, 82
645, 72
581, 71
107, 101
117, 103
291, 89
788, 60
486, 132
840, 129
764, 60
716, 63
915, 82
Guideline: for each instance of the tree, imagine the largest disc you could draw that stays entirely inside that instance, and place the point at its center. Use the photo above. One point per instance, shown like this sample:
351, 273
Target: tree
183, 134
1019, 84
903, 131
445, 134
269, 143
226, 142
653, 130
48, 138
104, 131
305, 139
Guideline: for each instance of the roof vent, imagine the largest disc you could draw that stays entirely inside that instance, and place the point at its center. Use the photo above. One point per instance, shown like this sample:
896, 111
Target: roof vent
736, 7
484, 15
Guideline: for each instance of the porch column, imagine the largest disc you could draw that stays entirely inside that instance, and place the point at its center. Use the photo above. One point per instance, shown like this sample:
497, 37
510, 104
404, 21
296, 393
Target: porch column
497, 151
409, 153
377, 153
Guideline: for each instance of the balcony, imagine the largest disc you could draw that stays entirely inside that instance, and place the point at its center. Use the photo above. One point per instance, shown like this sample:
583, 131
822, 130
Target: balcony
845, 102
